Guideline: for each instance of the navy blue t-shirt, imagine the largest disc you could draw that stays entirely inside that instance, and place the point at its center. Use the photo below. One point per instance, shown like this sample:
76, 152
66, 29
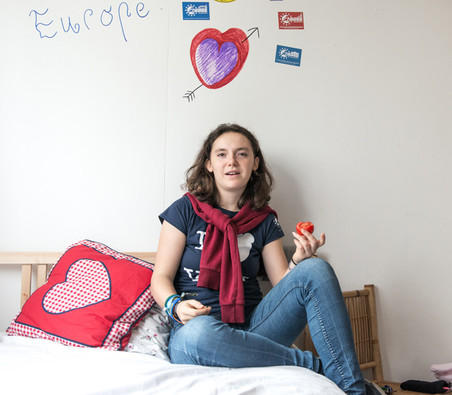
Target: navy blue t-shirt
182, 216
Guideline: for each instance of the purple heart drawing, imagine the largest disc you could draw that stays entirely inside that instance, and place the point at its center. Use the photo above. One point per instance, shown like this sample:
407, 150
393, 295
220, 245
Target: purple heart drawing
214, 65
218, 57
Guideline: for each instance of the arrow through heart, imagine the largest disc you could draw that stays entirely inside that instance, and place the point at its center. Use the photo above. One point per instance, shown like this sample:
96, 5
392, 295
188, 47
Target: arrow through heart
87, 283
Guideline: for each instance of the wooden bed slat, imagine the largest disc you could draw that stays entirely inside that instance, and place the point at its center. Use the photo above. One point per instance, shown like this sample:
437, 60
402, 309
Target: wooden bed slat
32, 258
25, 284
41, 275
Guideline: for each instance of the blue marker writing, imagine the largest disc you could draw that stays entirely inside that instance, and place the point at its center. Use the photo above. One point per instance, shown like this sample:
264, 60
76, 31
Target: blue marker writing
42, 24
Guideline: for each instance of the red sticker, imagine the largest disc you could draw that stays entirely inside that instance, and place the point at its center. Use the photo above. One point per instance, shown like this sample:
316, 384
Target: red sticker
291, 20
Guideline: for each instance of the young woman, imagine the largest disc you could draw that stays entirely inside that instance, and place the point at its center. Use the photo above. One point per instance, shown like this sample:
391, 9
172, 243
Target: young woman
211, 245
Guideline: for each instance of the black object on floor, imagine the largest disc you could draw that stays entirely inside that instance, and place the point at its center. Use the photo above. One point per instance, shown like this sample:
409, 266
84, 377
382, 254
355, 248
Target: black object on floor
435, 387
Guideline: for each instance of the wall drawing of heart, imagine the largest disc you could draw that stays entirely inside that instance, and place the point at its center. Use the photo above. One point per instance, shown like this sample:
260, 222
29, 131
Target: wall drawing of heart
218, 57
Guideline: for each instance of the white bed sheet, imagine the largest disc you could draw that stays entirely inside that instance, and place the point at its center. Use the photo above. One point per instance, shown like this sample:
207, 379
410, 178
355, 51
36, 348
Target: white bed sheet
35, 366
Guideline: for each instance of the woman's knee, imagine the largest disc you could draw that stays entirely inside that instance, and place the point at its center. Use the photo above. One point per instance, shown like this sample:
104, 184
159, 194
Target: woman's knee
314, 269
192, 340
193, 332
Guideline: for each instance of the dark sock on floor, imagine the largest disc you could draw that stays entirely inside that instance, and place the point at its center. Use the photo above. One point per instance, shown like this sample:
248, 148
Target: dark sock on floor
435, 387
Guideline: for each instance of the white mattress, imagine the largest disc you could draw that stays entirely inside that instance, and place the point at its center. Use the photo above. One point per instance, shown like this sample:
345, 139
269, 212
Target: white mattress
35, 366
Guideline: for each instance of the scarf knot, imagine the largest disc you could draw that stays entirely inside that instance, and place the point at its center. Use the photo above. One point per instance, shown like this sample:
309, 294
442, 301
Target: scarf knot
221, 221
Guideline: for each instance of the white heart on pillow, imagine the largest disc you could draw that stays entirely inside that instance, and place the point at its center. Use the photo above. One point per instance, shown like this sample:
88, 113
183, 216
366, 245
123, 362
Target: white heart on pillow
87, 283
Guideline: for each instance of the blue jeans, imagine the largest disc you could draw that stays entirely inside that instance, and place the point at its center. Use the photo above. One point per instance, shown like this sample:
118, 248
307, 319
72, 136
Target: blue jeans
310, 293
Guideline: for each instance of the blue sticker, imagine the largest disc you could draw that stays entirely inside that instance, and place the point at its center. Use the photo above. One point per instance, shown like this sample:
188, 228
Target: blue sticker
196, 11
288, 55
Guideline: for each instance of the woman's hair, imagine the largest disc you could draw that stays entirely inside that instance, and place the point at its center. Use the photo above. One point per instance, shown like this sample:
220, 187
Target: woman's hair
201, 183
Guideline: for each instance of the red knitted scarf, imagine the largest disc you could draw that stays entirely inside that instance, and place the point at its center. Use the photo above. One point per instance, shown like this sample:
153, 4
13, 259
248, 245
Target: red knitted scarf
220, 266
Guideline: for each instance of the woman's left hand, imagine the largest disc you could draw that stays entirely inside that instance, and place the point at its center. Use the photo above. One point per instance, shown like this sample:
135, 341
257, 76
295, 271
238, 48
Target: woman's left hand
307, 245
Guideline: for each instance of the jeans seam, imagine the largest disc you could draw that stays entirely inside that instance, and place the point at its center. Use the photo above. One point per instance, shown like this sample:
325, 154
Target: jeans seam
195, 357
326, 337
261, 321
212, 362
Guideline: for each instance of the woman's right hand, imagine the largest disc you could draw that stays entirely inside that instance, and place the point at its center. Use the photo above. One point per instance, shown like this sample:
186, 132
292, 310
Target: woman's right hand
191, 308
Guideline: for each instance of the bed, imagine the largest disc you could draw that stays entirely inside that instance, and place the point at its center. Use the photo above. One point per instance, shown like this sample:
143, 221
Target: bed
73, 356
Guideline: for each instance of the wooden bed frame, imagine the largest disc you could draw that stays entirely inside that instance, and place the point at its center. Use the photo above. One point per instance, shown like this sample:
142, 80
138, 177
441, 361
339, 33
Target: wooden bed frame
361, 304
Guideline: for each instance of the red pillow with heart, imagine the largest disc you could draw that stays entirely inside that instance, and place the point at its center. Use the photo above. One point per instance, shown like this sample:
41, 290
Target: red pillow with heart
93, 297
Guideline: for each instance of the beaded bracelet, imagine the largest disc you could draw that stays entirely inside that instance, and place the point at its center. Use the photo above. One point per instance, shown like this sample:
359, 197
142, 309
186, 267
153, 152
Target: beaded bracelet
171, 304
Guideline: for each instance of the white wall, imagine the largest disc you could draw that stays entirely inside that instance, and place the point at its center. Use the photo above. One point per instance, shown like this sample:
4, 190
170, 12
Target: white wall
95, 139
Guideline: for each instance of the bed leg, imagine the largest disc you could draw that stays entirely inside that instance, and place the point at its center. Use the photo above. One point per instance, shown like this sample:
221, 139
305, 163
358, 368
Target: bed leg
25, 286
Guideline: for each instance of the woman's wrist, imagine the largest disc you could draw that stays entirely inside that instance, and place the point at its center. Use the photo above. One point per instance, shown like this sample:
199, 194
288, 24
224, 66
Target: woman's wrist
292, 261
175, 314
171, 304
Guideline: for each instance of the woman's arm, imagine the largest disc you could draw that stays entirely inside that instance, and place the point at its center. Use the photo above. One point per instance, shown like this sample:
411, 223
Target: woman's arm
169, 253
275, 261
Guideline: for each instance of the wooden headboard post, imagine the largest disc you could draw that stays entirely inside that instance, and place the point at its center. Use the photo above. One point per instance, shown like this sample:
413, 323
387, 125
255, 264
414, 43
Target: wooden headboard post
42, 260
377, 370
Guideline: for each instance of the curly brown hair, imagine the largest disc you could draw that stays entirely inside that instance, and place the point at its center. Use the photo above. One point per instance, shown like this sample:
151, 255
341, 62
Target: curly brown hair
201, 183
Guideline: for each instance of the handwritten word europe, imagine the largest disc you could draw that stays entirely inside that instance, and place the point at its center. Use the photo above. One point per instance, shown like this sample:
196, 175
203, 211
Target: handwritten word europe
47, 27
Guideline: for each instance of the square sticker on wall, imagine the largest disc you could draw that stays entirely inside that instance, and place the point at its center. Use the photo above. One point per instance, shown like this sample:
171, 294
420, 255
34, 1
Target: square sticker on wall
290, 20
288, 55
197, 11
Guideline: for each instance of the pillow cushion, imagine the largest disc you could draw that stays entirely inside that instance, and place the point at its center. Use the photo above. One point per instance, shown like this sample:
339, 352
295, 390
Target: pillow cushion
151, 335
92, 298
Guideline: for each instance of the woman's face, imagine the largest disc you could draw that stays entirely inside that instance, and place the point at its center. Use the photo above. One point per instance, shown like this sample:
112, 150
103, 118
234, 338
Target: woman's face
232, 162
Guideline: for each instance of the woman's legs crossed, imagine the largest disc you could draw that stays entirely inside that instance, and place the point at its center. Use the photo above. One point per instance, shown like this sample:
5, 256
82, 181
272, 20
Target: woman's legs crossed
208, 341
310, 293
